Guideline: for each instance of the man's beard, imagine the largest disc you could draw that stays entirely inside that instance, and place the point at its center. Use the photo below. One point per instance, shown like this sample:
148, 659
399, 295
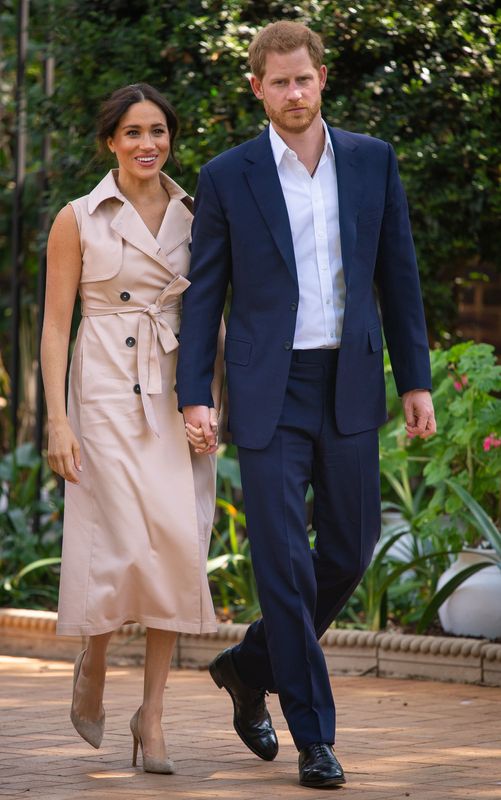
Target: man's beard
290, 122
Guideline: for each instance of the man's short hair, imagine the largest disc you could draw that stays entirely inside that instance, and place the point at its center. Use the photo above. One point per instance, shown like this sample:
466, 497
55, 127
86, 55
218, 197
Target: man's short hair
283, 37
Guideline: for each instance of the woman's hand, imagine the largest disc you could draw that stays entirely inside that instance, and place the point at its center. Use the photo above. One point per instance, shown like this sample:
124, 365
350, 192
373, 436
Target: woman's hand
64, 451
197, 434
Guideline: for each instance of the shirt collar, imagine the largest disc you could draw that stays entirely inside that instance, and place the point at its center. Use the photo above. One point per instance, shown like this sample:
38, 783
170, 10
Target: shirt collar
280, 149
107, 189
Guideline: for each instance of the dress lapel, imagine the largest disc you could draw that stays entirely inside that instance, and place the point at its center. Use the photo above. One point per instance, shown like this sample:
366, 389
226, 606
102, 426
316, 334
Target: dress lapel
174, 229
129, 225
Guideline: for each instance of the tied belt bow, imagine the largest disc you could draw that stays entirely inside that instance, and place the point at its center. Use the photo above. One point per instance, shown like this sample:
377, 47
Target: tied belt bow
153, 328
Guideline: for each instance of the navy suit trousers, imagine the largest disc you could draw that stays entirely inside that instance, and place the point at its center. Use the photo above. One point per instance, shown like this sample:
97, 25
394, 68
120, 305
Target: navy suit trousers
301, 589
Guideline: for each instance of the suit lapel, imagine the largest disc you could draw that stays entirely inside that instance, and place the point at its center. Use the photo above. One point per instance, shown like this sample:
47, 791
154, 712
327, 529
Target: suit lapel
264, 184
349, 189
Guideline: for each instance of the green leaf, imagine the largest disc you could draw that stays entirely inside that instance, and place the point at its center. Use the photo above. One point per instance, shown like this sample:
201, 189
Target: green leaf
42, 562
221, 562
228, 469
483, 523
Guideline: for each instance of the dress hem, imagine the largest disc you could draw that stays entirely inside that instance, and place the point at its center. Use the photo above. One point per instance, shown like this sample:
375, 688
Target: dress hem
69, 629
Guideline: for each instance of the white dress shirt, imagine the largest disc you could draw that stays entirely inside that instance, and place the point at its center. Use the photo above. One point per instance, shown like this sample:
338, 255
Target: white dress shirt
312, 206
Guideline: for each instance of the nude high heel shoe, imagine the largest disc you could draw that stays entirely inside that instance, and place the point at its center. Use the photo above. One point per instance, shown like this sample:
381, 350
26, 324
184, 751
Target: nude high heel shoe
92, 732
163, 766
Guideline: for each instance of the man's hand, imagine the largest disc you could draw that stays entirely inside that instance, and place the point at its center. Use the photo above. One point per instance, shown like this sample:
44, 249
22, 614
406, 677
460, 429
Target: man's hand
200, 423
419, 413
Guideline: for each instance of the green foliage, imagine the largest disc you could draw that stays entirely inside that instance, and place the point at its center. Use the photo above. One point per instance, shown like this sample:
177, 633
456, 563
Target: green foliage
468, 411
28, 560
467, 383
481, 521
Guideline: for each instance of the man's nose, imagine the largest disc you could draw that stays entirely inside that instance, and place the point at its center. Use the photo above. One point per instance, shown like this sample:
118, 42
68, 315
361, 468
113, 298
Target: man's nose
294, 92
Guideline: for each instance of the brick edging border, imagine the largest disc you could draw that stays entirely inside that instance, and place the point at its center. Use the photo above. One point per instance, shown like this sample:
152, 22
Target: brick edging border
25, 632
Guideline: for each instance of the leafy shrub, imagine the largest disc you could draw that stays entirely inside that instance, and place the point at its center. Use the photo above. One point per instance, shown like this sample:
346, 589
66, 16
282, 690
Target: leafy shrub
29, 575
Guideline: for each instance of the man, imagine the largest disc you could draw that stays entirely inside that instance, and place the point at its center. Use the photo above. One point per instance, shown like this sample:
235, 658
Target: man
305, 222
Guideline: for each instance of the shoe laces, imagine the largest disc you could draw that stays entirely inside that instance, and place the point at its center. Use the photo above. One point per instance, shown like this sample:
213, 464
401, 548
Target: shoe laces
321, 749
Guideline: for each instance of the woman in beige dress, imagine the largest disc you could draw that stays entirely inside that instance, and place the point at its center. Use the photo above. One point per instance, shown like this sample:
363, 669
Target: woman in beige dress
139, 502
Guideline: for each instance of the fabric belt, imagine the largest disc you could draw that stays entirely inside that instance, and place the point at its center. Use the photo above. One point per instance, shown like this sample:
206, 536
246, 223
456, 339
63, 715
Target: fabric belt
324, 355
153, 328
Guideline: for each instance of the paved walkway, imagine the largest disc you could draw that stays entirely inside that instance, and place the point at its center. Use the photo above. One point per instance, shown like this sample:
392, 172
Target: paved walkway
396, 739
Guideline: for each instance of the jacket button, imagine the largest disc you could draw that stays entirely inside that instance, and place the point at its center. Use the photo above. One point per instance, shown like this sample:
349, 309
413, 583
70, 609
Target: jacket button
130, 341
137, 388
287, 345
293, 306
125, 296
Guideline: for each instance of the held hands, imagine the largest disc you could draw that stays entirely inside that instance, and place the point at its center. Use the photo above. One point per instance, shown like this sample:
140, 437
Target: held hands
201, 426
419, 413
64, 451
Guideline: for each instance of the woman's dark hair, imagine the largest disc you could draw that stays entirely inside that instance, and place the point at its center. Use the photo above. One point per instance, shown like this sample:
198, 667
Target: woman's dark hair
113, 109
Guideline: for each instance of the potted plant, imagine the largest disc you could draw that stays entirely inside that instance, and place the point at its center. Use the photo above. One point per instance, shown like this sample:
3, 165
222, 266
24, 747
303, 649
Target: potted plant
468, 597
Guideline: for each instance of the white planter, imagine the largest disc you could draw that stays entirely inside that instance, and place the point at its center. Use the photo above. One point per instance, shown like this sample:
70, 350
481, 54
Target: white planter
474, 608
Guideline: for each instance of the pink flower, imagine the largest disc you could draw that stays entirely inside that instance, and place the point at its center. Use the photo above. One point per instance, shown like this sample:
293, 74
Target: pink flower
491, 441
460, 382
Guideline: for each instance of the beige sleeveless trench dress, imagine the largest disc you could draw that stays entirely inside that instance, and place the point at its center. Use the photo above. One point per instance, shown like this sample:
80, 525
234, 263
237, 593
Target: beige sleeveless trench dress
137, 527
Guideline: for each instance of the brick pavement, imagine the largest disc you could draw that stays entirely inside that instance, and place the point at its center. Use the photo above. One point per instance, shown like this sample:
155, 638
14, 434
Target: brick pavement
396, 739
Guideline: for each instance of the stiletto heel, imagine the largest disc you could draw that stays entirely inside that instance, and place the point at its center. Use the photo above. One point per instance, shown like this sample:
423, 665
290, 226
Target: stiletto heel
92, 732
150, 764
134, 750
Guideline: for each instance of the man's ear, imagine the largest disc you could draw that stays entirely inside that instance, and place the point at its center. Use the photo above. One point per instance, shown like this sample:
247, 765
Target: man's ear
257, 87
322, 74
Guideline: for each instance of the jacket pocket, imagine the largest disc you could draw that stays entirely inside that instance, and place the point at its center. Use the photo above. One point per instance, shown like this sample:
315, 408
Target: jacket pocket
375, 339
237, 351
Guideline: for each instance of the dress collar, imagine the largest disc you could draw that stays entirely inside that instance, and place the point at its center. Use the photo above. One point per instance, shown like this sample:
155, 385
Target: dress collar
107, 189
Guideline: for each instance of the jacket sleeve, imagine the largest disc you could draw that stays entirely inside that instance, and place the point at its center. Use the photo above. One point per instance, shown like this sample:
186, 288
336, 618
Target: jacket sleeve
397, 280
203, 301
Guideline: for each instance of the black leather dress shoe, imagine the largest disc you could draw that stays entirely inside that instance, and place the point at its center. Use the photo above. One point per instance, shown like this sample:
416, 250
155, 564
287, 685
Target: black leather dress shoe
251, 718
318, 766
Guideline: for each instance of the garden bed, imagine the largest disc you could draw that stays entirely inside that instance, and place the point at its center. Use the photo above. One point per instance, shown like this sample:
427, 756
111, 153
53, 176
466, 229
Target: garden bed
348, 652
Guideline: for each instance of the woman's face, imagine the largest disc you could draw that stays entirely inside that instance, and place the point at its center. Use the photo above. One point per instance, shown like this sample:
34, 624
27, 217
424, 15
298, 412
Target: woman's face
141, 140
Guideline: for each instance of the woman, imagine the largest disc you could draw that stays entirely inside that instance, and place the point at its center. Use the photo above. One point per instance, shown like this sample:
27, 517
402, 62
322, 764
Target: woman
138, 503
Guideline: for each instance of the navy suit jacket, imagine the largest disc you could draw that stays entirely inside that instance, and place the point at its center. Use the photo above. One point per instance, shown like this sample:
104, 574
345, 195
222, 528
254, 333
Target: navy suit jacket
242, 239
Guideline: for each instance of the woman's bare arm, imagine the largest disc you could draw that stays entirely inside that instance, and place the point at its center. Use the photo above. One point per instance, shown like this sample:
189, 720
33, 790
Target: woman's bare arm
64, 267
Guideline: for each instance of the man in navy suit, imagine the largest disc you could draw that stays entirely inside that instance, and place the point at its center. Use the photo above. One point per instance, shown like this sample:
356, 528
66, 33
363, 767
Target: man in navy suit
309, 225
